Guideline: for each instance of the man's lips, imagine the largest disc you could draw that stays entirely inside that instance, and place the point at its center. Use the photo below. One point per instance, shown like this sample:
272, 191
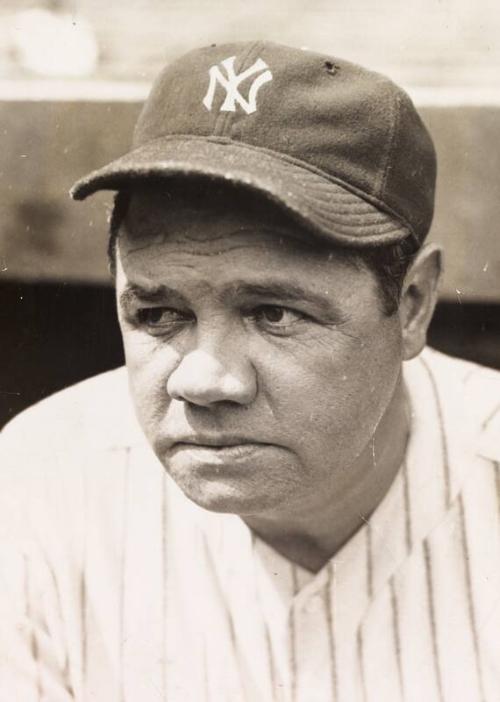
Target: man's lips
215, 442
211, 450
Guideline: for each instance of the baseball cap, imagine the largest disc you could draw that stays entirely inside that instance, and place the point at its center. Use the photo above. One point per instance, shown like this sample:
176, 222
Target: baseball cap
340, 148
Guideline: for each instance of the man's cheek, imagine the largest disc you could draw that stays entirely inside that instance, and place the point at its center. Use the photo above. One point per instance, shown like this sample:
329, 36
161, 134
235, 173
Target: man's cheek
338, 396
148, 354
149, 369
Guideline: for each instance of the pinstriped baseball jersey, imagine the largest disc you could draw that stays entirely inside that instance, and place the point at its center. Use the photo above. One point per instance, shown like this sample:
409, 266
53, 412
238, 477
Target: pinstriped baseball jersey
114, 587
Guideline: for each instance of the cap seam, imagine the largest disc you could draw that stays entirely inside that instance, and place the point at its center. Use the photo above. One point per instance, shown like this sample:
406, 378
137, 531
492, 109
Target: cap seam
224, 121
396, 111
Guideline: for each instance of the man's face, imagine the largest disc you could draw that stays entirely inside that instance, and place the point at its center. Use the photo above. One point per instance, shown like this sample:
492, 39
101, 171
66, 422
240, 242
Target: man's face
260, 365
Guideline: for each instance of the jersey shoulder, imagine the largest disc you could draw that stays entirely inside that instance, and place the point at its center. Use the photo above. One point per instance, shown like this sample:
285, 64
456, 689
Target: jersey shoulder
477, 390
95, 413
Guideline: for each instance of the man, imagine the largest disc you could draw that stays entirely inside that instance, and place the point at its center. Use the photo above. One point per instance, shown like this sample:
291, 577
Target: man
309, 510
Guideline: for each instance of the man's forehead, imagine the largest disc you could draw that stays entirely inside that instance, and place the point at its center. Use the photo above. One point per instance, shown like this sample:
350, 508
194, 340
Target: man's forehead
192, 211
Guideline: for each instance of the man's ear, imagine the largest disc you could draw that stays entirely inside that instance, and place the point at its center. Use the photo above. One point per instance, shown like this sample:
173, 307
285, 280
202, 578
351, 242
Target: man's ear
418, 299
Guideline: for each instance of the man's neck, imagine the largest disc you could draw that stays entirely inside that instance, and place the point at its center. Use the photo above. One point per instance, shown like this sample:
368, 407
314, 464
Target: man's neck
312, 538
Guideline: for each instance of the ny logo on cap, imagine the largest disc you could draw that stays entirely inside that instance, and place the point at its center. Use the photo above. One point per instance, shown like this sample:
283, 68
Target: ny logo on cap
230, 82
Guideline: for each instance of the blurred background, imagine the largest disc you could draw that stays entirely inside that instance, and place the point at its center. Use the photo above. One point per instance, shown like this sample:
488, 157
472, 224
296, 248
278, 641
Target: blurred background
73, 74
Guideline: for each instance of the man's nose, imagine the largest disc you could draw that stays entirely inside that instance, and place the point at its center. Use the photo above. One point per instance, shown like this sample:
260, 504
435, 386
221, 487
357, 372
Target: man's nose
205, 376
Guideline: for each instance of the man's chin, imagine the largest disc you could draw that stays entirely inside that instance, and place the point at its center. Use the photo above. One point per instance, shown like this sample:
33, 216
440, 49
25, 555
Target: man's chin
226, 496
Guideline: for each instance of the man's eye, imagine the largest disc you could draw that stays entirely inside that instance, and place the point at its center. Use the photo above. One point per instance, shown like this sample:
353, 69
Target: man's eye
160, 317
276, 316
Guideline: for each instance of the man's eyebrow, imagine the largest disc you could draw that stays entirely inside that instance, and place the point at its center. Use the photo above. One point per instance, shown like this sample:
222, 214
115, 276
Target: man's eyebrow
159, 293
286, 292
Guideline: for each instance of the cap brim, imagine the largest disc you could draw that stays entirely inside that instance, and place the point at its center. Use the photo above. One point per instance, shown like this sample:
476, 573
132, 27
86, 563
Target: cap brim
333, 209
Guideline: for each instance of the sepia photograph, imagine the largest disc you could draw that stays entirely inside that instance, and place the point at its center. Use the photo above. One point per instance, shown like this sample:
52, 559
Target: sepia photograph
249, 351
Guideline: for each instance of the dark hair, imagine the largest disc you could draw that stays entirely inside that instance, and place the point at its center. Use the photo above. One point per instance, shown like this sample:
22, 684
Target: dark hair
388, 263
118, 214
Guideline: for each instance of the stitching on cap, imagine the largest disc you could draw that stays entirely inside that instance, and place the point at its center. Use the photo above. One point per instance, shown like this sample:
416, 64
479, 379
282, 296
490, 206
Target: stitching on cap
323, 225
85, 186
